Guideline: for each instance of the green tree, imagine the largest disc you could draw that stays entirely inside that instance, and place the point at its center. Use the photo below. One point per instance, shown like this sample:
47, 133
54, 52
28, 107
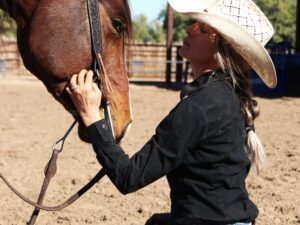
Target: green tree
180, 22
157, 32
282, 14
7, 25
141, 29
148, 32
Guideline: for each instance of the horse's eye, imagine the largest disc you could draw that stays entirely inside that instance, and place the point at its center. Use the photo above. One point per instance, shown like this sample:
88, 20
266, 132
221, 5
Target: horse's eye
118, 25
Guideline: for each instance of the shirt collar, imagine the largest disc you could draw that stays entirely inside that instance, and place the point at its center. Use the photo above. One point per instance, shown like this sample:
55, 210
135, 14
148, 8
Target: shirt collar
201, 82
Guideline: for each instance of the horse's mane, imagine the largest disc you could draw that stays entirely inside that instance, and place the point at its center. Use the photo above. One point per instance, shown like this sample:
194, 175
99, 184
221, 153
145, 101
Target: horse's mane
129, 25
2, 2
7, 6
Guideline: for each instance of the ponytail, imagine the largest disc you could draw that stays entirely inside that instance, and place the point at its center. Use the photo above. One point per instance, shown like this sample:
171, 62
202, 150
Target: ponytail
254, 147
255, 150
236, 67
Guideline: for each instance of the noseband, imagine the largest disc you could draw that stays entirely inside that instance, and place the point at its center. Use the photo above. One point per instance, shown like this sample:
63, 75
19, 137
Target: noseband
50, 170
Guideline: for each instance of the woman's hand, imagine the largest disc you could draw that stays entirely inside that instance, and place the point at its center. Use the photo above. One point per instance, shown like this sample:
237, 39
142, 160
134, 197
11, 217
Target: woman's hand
86, 96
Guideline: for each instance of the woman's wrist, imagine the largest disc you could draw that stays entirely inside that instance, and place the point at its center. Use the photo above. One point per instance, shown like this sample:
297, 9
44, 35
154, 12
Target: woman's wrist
91, 118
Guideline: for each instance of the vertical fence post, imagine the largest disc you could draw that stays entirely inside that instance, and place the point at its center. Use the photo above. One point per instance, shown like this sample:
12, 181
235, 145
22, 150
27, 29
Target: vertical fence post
18, 58
169, 45
179, 65
298, 27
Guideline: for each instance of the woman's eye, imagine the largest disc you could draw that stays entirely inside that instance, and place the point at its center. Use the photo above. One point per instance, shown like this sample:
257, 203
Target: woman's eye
118, 25
203, 30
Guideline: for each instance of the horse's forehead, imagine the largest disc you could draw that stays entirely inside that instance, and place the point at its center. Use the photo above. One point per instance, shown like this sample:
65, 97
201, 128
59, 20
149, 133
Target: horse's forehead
115, 8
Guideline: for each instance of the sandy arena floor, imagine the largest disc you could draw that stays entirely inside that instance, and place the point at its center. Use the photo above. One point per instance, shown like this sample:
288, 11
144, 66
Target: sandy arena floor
31, 121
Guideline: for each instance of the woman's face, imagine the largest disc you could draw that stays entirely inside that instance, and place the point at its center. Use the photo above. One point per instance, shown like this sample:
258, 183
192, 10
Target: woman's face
199, 45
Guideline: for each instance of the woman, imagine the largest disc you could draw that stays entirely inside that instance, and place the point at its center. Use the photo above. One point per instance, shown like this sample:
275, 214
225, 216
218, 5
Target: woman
206, 145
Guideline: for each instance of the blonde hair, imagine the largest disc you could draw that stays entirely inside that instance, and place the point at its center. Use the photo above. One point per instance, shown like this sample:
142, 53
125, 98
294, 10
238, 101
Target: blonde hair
237, 68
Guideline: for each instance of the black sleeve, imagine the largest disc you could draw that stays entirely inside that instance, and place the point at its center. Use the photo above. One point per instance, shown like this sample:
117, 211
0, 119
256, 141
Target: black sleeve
183, 128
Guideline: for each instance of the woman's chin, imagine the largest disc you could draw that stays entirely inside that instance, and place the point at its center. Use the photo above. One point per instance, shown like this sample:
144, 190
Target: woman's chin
183, 52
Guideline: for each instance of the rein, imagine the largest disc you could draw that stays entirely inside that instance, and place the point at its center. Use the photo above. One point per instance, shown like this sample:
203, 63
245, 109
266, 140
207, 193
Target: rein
50, 169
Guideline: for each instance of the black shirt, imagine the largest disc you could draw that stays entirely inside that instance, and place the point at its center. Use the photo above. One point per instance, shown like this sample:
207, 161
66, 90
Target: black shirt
200, 146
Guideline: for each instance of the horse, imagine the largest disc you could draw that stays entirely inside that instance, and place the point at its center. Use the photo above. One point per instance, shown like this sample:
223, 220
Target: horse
54, 41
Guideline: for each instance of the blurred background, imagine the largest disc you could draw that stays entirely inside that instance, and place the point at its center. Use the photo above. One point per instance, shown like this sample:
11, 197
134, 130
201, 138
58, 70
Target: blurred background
158, 36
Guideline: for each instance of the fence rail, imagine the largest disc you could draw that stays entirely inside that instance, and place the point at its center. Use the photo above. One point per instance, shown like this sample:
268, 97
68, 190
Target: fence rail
143, 61
148, 62
10, 60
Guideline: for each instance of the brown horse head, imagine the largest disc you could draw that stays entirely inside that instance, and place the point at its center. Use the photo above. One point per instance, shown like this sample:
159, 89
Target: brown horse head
55, 42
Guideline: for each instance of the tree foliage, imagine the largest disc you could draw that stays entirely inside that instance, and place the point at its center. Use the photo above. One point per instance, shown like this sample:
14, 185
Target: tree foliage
7, 25
282, 14
180, 22
155, 31
148, 32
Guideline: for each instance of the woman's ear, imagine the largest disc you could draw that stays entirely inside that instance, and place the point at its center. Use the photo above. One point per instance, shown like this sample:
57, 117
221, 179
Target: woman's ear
212, 33
213, 37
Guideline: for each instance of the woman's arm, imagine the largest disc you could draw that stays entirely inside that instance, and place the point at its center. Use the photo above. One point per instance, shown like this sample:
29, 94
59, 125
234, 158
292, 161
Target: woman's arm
178, 132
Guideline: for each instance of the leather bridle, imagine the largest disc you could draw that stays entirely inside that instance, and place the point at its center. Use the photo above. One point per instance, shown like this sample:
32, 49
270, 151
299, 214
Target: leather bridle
50, 170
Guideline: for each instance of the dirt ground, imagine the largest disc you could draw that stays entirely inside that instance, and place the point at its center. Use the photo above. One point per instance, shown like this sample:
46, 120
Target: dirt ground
31, 121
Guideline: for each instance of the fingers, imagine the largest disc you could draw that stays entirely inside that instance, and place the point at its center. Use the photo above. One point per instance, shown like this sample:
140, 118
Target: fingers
68, 90
73, 80
89, 78
81, 77
82, 80
96, 89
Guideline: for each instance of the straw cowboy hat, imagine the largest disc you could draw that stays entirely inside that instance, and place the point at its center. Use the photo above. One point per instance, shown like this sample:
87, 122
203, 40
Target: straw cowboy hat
242, 24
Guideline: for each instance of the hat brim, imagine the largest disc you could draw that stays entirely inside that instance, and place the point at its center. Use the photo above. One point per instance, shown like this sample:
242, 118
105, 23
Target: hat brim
240, 39
189, 6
